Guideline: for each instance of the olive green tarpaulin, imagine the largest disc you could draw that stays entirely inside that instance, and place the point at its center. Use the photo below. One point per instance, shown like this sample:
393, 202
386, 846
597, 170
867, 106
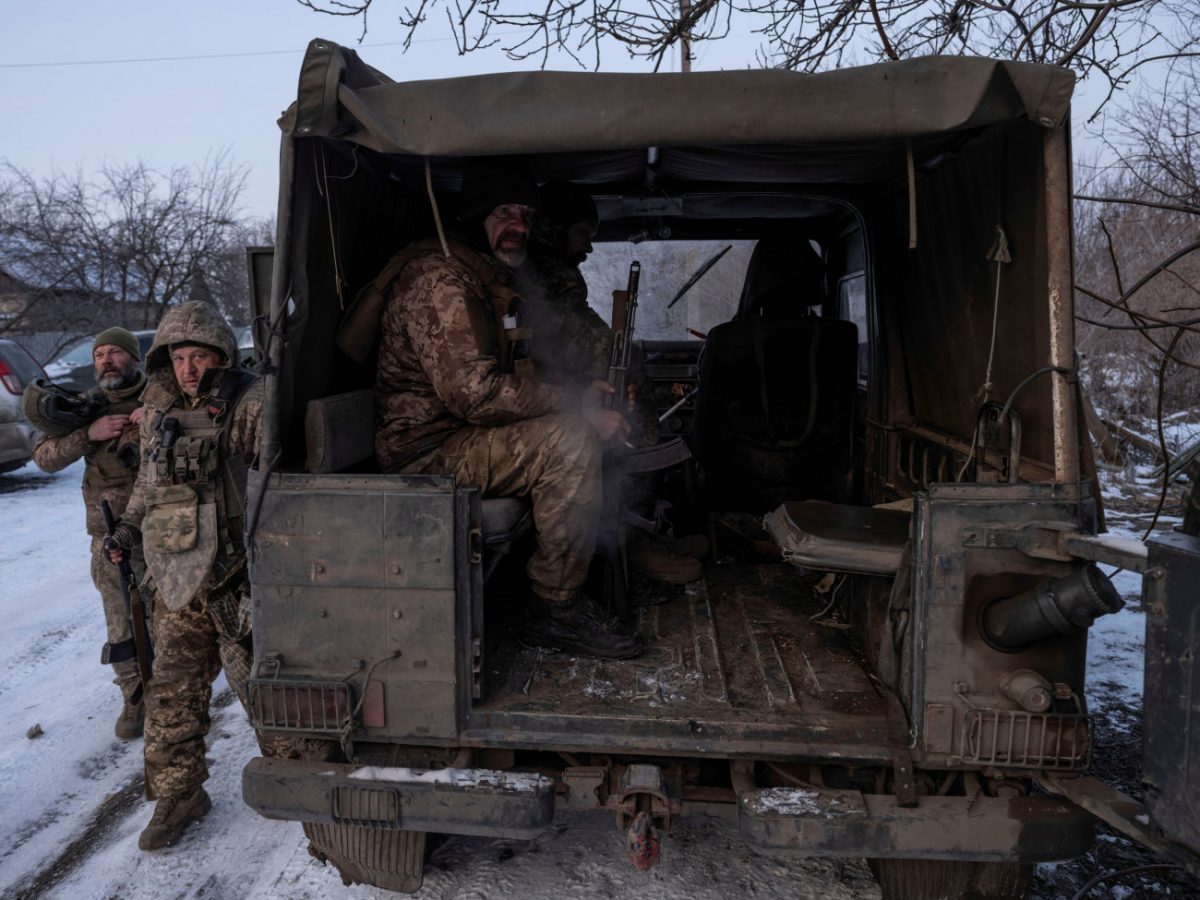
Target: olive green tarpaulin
551, 112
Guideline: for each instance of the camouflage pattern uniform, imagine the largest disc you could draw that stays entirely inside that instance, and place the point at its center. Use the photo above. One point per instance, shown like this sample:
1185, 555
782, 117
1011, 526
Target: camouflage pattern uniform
189, 503
110, 468
570, 341
450, 401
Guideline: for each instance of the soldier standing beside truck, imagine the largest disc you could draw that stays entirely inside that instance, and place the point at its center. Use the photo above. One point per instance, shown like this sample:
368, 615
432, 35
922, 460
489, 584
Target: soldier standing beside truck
199, 435
97, 428
451, 401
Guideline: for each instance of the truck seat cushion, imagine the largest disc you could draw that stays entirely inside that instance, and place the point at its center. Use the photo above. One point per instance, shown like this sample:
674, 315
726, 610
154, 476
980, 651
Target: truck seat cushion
339, 431
836, 537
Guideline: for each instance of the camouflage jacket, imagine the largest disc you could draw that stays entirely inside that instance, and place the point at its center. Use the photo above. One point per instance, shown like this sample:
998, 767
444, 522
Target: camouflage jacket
110, 467
570, 341
443, 356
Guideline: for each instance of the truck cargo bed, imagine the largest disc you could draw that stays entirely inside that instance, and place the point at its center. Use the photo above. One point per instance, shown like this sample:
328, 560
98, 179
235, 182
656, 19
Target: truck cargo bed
733, 666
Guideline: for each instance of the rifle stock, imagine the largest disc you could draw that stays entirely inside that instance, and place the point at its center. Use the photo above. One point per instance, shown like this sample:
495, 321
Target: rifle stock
134, 609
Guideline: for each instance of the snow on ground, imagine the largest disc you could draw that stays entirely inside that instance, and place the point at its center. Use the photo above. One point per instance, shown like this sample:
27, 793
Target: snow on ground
74, 794
72, 798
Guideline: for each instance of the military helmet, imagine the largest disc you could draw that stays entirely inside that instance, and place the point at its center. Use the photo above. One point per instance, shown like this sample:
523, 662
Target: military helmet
57, 411
193, 322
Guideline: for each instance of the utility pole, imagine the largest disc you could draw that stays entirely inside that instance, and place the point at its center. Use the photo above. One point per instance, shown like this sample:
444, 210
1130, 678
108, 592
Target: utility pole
685, 37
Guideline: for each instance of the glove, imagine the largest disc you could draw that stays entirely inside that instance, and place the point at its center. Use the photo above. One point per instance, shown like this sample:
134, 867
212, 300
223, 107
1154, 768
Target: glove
124, 537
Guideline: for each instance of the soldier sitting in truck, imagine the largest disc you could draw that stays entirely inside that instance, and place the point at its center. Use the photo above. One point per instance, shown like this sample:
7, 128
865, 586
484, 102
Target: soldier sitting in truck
571, 343
452, 400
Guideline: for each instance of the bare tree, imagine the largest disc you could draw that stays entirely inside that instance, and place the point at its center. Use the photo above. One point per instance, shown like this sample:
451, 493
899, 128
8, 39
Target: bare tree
1110, 37
122, 246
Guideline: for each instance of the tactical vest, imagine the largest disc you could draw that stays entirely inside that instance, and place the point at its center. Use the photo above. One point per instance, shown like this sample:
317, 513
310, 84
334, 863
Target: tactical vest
110, 466
195, 507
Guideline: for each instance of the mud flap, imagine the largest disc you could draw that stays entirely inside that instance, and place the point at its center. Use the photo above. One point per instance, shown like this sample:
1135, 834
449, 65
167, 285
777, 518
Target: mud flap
392, 860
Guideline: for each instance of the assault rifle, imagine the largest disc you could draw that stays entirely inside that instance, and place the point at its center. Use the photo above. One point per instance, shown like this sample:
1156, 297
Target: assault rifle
136, 611
642, 459
623, 315
624, 311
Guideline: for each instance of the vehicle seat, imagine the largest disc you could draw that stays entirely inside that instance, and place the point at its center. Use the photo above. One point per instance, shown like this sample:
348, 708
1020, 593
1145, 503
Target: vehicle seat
339, 436
775, 408
834, 537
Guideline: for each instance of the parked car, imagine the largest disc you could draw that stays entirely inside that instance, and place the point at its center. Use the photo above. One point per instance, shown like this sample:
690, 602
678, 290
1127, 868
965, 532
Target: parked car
73, 368
17, 436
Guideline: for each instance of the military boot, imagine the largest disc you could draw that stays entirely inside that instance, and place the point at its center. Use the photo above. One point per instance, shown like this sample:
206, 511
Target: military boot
171, 816
579, 625
655, 560
131, 721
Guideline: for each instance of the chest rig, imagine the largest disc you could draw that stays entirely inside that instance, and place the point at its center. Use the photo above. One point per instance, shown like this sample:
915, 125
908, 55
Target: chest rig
191, 447
110, 465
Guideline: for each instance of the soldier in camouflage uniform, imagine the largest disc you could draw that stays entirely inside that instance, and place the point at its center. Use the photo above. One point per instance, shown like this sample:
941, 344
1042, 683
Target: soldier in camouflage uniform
108, 446
453, 398
570, 343
199, 435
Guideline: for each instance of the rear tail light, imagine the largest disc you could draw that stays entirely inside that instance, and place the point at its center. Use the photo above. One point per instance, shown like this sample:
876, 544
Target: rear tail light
10, 379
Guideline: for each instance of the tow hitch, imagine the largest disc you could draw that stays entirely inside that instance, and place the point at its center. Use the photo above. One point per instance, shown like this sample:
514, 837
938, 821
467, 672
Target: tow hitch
644, 803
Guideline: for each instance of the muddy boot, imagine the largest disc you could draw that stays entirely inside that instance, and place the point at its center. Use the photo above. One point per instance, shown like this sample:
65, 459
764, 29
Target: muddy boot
171, 816
130, 721
579, 626
653, 559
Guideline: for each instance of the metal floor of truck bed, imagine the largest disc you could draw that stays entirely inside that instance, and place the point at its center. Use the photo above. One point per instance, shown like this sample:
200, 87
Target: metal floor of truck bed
733, 667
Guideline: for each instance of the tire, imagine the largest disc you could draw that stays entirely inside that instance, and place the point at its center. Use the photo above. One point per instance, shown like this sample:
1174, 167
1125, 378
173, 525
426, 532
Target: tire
388, 858
929, 879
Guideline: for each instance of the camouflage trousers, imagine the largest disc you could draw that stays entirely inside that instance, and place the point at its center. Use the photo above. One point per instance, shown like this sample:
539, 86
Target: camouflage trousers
107, 579
555, 461
191, 646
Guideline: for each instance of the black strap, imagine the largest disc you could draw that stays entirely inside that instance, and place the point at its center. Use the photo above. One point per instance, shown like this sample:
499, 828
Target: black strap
117, 653
229, 386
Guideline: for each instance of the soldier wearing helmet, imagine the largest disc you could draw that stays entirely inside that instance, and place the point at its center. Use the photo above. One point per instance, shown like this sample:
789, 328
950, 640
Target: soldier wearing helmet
96, 427
199, 436
453, 398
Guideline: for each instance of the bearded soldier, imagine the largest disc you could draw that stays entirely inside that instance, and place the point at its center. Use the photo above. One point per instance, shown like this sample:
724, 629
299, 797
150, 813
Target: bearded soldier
96, 426
570, 344
199, 435
454, 398
570, 340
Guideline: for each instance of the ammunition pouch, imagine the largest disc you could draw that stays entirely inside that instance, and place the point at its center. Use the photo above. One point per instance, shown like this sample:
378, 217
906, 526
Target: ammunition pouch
172, 518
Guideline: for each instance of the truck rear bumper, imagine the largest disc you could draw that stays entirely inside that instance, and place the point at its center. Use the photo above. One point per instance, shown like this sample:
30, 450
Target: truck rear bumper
825, 822
453, 801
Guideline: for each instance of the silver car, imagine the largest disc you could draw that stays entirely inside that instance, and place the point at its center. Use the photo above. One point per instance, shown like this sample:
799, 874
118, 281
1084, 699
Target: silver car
17, 436
74, 368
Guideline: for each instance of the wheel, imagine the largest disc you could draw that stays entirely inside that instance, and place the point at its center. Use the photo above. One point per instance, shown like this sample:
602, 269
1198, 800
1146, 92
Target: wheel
388, 858
931, 879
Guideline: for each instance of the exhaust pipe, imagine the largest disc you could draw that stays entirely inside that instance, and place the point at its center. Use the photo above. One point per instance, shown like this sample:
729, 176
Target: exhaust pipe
1065, 605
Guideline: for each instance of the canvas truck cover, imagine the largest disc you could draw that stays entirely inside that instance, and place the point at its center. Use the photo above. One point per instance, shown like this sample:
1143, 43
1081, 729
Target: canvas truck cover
546, 112
728, 134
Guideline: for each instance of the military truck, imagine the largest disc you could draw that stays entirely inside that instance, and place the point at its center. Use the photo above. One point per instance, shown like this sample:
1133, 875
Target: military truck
885, 657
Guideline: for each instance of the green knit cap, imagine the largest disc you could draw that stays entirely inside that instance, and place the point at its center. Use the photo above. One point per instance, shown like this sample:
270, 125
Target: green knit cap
118, 337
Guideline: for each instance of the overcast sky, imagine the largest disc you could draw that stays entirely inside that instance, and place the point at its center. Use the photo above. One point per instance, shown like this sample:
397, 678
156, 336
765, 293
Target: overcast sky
88, 81
175, 111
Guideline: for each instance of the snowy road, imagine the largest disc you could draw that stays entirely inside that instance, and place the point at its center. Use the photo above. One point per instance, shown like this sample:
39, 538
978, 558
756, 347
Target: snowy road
73, 804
